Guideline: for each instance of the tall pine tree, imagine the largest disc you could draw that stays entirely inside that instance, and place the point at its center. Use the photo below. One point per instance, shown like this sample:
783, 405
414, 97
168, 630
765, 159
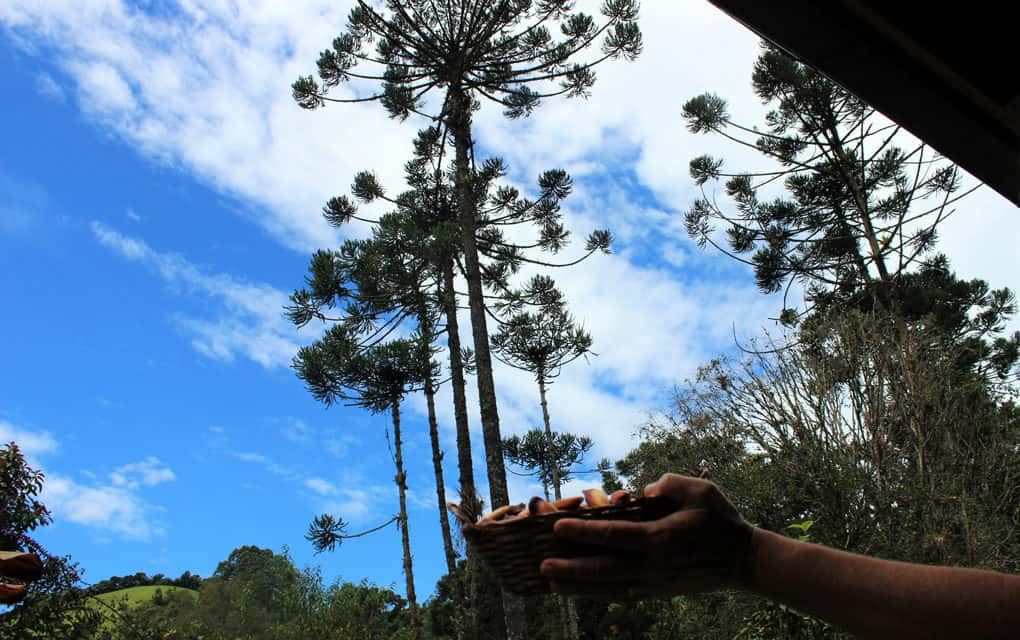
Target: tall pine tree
501, 51
859, 209
542, 342
338, 368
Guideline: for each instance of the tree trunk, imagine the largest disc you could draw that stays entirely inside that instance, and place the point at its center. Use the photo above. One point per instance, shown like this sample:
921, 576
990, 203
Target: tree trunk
550, 444
437, 467
405, 538
465, 466
466, 593
437, 454
459, 122
460, 127
568, 618
568, 612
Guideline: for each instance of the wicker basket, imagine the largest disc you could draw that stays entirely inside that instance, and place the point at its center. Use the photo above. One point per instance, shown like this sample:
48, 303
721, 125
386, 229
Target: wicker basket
514, 549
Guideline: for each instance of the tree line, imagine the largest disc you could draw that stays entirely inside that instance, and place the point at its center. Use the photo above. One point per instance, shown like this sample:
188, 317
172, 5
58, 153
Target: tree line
186, 580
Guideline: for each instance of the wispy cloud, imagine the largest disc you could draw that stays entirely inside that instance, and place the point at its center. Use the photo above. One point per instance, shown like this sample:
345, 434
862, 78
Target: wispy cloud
32, 443
20, 205
250, 319
49, 87
351, 495
352, 498
297, 432
104, 508
265, 462
114, 507
148, 472
357, 504
322, 487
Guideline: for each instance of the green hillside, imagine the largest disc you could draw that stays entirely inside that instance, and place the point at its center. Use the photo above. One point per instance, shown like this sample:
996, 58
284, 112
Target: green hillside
132, 597
138, 595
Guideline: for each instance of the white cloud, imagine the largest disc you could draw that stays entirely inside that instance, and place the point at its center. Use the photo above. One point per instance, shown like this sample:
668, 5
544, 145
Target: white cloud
338, 446
114, 508
31, 443
148, 472
299, 433
250, 321
296, 431
265, 462
109, 508
357, 503
49, 87
103, 88
322, 487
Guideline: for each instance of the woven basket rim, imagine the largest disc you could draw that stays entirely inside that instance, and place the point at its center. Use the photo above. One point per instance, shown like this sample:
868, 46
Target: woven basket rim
589, 513
514, 549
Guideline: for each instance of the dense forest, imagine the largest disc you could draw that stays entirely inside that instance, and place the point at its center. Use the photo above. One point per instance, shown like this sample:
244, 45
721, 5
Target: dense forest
878, 416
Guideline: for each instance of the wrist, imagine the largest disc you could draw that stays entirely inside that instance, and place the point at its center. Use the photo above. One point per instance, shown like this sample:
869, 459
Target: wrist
747, 556
767, 556
760, 544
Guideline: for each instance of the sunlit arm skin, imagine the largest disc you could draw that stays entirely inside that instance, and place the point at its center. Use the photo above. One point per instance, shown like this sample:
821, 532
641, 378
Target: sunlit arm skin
706, 546
883, 599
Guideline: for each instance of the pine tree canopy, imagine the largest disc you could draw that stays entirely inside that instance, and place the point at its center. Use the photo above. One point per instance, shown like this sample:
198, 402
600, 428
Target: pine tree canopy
505, 51
336, 368
531, 452
541, 341
424, 224
858, 210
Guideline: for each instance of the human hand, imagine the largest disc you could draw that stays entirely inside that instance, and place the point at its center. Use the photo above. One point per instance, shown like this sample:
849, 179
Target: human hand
703, 546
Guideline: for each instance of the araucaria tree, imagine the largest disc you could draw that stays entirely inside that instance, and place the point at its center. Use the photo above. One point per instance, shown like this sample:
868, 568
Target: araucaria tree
425, 227
338, 368
407, 269
531, 452
858, 210
542, 342
381, 283
858, 224
502, 51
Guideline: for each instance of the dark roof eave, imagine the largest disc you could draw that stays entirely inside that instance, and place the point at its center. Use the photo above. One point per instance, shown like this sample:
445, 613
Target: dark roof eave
858, 49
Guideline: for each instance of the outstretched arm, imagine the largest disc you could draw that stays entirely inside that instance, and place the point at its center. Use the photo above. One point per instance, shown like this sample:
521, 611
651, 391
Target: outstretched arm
883, 599
706, 545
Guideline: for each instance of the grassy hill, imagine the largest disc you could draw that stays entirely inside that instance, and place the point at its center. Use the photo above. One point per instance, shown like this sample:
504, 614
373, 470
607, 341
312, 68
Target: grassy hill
137, 595
132, 597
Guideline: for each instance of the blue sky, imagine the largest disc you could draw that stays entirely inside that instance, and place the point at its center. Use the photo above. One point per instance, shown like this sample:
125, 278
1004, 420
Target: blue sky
154, 217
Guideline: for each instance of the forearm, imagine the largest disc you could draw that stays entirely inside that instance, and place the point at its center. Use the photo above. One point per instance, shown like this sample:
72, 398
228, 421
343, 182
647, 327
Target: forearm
877, 598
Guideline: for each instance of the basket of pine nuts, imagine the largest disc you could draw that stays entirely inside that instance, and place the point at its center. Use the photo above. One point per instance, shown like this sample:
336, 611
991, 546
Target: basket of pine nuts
514, 539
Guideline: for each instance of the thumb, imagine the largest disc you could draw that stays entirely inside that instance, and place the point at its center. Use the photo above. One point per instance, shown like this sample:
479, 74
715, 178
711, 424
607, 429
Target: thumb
656, 488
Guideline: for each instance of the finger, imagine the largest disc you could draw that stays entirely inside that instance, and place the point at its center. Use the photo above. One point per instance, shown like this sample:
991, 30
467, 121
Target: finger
671, 485
616, 534
598, 569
